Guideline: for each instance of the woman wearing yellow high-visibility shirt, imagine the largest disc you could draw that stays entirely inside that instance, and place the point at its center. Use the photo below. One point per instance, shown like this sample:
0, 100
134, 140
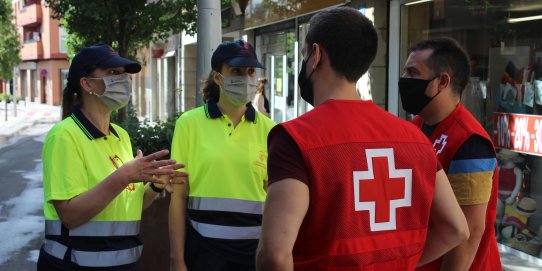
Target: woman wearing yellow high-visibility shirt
214, 220
92, 184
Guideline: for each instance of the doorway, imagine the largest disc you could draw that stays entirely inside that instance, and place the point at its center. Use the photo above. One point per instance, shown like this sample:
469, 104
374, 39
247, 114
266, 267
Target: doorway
43, 87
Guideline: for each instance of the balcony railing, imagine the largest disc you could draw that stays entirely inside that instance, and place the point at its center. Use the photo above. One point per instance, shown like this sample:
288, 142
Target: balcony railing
29, 15
32, 51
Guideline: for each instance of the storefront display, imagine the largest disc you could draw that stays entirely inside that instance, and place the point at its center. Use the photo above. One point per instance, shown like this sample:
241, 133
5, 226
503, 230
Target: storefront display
504, 42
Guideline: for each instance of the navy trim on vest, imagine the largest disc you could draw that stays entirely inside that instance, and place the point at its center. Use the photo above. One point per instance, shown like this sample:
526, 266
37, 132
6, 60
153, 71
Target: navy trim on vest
225, 218
87, 127
212, 111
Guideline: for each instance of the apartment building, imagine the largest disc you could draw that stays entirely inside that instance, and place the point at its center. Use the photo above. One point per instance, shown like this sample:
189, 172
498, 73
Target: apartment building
44, 67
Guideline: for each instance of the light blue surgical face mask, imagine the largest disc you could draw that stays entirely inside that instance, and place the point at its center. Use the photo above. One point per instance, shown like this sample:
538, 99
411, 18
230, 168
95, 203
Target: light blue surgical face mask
239, 90
118, 90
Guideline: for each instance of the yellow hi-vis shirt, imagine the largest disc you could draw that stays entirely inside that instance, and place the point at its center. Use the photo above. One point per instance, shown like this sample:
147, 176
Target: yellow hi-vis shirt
76, 157
223, 161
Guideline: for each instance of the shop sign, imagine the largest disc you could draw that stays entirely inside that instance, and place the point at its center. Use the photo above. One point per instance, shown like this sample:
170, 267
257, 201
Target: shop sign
260, 13
518, 132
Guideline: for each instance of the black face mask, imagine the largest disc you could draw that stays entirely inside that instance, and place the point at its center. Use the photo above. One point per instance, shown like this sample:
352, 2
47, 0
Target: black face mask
413, 96
307, 92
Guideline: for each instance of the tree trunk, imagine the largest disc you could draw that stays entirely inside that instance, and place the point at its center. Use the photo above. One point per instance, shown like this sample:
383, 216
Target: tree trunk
155, 236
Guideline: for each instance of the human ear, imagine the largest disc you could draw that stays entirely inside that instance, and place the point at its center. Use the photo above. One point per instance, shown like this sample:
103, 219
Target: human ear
317, 54
444, 80
217, 77
85, 85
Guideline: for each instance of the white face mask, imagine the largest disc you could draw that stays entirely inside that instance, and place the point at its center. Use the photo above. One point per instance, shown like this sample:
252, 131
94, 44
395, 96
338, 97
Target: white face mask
118, 90
239, 90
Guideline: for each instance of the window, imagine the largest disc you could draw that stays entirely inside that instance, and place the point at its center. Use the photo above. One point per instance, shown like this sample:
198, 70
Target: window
63, 78
62, 39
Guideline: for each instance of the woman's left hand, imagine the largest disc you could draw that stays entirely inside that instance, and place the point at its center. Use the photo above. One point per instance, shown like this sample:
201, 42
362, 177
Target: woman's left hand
147, 168
170, 179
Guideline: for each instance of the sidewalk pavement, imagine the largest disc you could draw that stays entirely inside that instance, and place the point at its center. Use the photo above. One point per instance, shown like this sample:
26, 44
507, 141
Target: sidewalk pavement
28, 115
515, 260
31, 114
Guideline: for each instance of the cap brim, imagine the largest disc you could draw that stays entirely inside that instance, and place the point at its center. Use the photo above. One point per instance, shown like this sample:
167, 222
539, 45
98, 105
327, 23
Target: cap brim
117, 61
244, 62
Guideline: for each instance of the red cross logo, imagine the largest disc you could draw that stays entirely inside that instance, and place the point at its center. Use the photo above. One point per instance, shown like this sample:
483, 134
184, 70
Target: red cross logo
117, 163
382, 189
440, 143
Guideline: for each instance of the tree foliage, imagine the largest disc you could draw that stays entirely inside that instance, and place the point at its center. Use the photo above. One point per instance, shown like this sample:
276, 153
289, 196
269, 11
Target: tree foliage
147, 136
9, 41
125, 25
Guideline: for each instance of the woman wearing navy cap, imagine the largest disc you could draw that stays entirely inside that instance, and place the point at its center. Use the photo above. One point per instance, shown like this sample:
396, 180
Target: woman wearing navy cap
92, 183
215, 217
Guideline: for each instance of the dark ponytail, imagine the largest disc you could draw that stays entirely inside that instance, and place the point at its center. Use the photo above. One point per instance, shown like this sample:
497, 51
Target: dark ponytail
72, 95
70, 98
211, 90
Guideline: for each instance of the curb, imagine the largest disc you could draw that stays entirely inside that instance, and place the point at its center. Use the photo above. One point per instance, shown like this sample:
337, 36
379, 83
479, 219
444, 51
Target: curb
5, 138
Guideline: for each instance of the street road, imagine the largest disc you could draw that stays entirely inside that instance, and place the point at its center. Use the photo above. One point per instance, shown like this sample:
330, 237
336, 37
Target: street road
21, 200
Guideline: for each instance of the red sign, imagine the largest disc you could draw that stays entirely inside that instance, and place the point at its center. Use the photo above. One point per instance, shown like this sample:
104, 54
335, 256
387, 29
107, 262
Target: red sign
518, 132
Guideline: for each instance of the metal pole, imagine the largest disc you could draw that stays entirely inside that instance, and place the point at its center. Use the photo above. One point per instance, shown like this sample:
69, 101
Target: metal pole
394, 70
15, 92
209, 37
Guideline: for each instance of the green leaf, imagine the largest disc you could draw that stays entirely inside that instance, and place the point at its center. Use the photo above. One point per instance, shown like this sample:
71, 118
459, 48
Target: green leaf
9, 42
125, 25
147, 136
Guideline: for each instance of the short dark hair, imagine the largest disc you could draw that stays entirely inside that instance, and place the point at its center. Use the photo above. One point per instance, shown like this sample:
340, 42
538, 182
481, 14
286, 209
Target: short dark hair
348, 38
449, 56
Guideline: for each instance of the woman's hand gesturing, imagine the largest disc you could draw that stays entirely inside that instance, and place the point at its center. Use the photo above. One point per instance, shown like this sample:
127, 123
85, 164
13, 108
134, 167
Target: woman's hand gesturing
148, 168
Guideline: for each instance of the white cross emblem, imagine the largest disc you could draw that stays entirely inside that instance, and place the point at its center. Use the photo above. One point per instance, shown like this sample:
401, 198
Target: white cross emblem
383, 194
442, 141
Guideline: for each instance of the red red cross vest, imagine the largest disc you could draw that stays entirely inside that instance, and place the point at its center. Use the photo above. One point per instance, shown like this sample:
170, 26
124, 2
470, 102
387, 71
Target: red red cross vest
371, 183
449, 135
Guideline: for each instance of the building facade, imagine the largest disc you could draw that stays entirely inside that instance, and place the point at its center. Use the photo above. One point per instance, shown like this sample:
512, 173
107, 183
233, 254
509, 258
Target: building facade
41, 75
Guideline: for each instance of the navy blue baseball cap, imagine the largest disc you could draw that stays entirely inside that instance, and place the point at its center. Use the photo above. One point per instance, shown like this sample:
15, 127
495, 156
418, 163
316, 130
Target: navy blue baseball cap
235, 54
98, 56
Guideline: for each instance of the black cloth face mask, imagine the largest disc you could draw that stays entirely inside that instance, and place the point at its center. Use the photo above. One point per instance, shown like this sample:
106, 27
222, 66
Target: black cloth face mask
413, 96
307, 92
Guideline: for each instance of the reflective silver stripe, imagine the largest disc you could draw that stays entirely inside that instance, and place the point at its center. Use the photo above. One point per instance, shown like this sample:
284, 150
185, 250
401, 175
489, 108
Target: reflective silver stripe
227, 205
96, 228
94, 258
52, 227
226, 232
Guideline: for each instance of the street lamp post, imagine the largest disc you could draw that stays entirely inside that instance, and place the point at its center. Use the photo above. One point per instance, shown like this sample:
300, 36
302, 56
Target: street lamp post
15, 92
209, 37
6, 109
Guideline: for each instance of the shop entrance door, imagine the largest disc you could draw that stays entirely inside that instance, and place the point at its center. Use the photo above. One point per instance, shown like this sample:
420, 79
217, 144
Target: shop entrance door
278, 86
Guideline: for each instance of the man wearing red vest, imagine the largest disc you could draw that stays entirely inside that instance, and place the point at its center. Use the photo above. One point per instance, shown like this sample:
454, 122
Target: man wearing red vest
352, 187
435, 74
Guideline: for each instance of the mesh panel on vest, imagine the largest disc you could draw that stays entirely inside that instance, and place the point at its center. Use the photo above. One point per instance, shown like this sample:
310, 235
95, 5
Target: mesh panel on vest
382, 260
335, 233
